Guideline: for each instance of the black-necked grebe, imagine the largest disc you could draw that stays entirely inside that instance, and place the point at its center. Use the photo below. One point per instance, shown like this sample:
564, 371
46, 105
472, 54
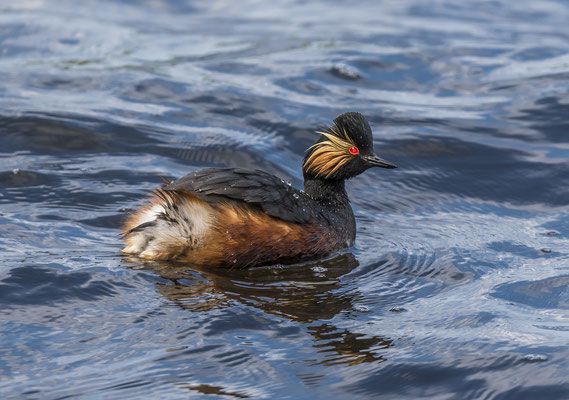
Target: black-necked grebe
238, 218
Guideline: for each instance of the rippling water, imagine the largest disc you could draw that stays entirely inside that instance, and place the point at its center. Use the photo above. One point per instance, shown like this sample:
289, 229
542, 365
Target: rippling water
457, 286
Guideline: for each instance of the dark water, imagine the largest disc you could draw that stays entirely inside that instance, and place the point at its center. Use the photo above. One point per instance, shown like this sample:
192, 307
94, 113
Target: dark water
457, 287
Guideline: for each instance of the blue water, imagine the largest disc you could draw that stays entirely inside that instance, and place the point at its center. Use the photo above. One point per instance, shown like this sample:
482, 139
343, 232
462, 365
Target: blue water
457, 287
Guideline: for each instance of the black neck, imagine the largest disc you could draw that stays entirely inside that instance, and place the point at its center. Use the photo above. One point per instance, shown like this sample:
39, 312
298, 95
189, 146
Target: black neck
332, 195
326, 192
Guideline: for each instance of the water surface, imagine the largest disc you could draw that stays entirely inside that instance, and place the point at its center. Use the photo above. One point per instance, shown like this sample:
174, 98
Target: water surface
457, 286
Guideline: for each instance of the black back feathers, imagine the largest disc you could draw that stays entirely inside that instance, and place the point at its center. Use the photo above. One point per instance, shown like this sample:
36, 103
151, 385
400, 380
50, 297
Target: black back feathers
257, 189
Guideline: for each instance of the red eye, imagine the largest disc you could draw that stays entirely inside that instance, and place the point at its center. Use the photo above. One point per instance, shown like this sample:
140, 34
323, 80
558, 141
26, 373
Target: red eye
354, 150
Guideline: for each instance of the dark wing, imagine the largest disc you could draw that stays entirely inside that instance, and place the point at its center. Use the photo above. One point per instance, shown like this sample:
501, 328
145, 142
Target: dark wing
257, 189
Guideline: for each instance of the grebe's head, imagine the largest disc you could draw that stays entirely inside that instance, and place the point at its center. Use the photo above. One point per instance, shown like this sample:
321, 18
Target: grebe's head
343, 151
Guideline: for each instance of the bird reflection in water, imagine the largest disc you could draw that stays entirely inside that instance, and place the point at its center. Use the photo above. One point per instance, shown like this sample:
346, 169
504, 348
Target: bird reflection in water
308, 294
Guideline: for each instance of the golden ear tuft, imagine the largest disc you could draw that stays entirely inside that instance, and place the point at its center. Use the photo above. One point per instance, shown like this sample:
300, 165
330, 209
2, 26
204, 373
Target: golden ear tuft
329, 155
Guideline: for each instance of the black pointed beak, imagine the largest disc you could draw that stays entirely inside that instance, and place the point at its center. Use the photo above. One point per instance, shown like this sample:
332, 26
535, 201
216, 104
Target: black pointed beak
375, 161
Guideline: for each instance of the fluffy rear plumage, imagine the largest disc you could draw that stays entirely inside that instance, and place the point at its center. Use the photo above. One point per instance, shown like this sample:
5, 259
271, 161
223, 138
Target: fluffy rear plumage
168, 226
